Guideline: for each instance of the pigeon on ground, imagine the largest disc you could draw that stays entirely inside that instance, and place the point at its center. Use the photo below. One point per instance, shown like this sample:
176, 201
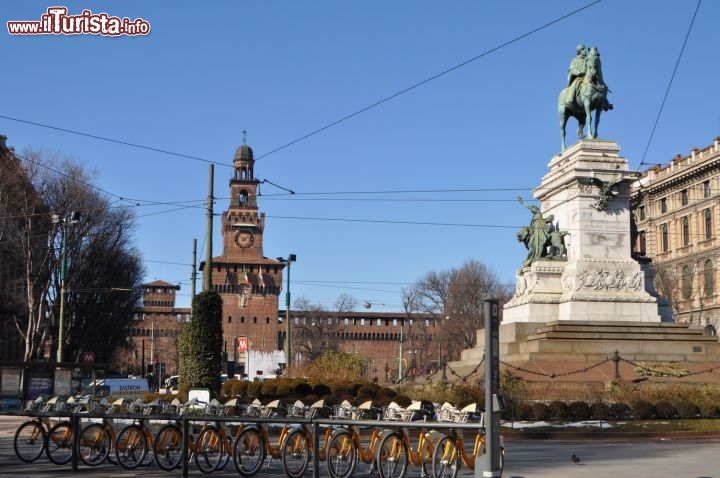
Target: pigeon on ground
575, 459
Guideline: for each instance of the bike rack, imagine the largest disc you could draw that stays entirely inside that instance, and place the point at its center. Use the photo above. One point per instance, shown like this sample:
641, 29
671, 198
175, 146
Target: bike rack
314, 422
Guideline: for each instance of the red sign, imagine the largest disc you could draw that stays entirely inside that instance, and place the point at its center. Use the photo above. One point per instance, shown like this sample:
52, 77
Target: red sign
88, 357
242, 345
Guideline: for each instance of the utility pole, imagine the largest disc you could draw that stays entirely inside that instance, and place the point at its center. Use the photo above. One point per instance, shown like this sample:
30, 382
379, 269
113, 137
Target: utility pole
207, 273
193, 273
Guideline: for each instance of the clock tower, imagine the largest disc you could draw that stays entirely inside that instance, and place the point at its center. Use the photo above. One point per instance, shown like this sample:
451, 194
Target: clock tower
248, 282
242, 224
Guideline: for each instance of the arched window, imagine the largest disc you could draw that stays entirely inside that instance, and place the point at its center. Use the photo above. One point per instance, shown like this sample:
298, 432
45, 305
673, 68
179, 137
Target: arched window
709, 278
686, 282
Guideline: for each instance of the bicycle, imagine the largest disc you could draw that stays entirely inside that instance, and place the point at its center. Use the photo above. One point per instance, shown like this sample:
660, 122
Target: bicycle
96, 442
214, 445
134, 444
345, 449
253, 444
450, 451
59, 439
298, 445
395, 450
30, 436
212, 449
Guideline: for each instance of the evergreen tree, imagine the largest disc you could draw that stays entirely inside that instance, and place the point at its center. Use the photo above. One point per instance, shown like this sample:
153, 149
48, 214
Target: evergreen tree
201, 344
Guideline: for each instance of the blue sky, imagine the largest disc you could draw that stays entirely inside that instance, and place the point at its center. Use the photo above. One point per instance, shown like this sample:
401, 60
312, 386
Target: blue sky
423, 181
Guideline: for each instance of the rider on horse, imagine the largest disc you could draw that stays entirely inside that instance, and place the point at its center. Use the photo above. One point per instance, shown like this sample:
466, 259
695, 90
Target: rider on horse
576, 72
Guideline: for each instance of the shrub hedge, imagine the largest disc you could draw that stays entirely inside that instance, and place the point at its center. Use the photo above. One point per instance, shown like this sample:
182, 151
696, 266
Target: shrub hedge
620, 403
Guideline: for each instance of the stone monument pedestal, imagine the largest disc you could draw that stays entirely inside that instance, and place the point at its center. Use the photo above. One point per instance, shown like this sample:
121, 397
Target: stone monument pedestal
596, 299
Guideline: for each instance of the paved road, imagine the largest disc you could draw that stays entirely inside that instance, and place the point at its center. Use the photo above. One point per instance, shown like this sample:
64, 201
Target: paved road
656, 458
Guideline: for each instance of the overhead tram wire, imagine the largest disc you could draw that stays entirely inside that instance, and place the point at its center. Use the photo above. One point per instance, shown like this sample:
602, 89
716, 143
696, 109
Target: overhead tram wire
133, 202
667, 90
428, 80
334, 123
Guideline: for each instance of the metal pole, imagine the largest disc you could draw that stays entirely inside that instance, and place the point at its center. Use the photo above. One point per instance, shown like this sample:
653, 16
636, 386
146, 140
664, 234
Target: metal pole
488, 464
401, 352
193, 273
288, 350
207, 273
63, 262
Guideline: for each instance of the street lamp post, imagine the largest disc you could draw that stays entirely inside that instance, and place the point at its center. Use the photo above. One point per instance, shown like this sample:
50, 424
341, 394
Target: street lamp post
72, 219
288, 352
400, 357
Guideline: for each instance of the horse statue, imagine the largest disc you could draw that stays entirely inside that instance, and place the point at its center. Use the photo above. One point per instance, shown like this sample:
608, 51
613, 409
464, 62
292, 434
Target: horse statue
591, 95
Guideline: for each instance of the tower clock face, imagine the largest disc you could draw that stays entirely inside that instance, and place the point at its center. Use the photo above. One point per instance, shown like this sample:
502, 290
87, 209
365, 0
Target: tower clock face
244, 238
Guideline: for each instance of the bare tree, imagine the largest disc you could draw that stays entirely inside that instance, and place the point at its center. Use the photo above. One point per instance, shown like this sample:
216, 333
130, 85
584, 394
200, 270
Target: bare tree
319, 330
103, 271
418, 336
668, 285
455, 297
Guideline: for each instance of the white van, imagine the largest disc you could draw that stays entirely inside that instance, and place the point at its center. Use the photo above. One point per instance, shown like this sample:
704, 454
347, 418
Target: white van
118, 387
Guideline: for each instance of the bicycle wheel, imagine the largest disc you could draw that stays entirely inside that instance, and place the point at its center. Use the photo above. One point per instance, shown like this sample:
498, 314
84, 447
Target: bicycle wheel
131, 447
341, 456
59, 443
168, 447
446, 459
249, 452
295, 453
209, 450
392, 456
29, 441
94, 444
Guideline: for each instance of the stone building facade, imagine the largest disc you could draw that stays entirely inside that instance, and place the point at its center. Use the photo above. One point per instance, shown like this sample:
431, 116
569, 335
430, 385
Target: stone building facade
676, 212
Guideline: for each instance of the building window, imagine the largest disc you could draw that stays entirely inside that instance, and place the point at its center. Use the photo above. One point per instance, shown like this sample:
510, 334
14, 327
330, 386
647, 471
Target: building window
378, 322
707, 192
709, 278
684, 197
686, 282
664, 238
685, 231
362, 321
642, 243
641, 213
707, 215
663, 205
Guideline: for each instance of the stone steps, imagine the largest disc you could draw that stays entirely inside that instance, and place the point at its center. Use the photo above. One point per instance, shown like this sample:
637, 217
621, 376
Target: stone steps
631, 331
